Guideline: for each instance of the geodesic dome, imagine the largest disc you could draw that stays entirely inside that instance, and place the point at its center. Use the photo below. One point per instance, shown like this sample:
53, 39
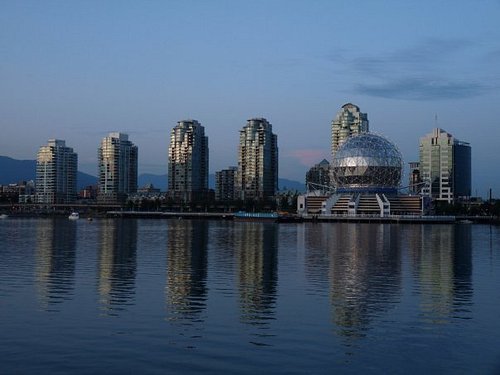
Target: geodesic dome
367, 163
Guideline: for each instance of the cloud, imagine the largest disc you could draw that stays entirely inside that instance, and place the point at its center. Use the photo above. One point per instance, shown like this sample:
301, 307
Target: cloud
433, 69
309, 157
422, 89
431, 53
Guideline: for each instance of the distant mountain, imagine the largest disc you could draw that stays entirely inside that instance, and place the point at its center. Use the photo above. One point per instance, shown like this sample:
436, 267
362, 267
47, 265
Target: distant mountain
158, 181
161, 181
14, 171
284, 184
84, 180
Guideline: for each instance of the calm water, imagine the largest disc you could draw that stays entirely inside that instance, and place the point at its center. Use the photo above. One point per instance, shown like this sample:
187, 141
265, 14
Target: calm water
181, 296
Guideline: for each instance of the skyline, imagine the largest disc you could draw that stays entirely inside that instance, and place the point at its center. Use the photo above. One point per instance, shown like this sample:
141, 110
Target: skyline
77, 71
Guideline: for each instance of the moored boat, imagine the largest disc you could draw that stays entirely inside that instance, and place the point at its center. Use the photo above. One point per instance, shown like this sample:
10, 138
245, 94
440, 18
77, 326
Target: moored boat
3, 216
74, 216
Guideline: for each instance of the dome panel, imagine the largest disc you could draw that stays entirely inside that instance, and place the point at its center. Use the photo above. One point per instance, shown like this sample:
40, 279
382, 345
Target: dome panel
367, 163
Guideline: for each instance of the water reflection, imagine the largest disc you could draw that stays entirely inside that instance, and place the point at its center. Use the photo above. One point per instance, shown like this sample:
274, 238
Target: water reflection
117, 263
443, 265
186, 289
256, 252
363, 264
365, 275
316, 239
55, 261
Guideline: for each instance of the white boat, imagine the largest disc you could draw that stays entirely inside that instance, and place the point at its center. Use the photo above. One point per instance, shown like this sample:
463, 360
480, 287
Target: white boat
4, 216
74, 216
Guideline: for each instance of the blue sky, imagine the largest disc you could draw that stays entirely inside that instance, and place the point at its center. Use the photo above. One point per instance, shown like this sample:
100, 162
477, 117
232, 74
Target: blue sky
76, 70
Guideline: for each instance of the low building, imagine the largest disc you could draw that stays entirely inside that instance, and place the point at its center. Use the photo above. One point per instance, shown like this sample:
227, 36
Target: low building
319, 175
225, 184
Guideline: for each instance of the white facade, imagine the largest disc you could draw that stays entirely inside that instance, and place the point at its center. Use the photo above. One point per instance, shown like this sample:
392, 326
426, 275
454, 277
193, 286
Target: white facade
257, 176
56, 172
348, 121
445, 166
188, 161
117, 158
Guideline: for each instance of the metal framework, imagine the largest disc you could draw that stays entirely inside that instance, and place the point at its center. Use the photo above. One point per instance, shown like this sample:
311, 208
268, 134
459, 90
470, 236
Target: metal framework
367, 163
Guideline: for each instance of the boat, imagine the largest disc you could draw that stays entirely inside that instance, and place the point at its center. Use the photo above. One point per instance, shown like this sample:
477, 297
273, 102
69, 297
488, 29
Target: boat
256, 216
4, 216
74, 216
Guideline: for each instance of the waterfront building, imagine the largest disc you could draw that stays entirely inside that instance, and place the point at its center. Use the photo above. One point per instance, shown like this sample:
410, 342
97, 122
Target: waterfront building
188, 161
56, 173
148, 189
318, 177
225, 183
366, 172
445, 166
257, 177
88, 192
348, 121
367, 163
117, 158
22, 192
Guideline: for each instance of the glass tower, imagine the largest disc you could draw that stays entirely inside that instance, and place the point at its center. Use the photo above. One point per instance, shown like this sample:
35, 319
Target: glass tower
445, 166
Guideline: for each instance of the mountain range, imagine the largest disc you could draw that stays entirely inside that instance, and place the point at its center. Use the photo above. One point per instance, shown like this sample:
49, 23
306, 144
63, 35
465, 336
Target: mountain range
13, 171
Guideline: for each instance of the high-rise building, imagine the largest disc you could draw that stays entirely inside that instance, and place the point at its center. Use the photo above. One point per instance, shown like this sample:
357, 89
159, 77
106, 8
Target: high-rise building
257, 176
348, 121
56, 171
319, 175
117, 158
445, 166
224, 184
188, 161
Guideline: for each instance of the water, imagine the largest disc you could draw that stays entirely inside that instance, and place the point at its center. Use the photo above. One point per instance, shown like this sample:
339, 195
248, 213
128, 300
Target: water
180, 296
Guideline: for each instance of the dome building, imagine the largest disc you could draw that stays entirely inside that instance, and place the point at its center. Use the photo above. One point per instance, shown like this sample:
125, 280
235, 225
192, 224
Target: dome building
367, 164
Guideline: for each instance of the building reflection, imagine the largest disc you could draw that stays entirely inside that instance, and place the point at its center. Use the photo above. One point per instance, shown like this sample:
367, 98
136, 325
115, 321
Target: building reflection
186, 290
55, 260
443, 265
317, 238
117, 263
257, 258
365, 274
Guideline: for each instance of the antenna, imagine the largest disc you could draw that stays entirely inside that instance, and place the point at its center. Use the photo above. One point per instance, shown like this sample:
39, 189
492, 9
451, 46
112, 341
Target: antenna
436, 120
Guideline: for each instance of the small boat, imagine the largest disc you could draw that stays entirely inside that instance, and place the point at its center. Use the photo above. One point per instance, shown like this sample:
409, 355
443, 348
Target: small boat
3, 216
74, 216
256, 216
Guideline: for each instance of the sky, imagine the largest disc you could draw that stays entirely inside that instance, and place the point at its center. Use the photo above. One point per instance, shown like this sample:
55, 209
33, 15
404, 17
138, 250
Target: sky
77, 70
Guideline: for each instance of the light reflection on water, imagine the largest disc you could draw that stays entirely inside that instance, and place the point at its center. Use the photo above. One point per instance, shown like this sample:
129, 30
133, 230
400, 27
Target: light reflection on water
192, 295
117, 264
55, 262
186, 289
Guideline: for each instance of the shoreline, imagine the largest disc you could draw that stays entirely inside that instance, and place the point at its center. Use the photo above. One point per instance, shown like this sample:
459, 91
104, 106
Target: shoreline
291, 218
